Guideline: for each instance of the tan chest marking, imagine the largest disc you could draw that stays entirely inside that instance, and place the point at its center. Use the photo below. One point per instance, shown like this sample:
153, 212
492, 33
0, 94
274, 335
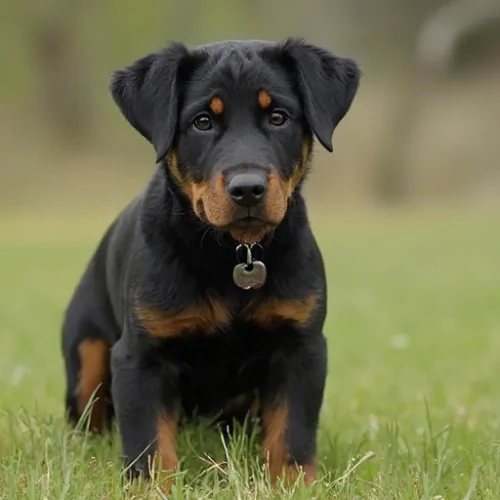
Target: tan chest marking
274, 311
206, 316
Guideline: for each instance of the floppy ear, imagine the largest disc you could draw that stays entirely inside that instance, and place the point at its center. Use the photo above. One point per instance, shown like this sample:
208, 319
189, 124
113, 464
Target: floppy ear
327, 83
147, 94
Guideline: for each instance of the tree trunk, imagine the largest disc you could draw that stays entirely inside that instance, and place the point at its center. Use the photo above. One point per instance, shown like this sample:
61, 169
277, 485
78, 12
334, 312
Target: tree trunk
59, 68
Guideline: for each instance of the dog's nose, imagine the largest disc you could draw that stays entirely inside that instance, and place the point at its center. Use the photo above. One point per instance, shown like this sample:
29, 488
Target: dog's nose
247, 189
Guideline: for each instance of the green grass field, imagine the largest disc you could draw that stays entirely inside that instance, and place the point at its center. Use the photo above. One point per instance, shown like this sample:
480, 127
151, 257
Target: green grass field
412, 405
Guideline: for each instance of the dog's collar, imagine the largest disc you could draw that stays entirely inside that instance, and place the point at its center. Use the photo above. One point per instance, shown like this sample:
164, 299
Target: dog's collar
249, 272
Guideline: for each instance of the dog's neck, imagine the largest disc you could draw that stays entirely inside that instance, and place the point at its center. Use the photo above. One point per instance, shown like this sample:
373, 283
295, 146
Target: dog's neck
168, 217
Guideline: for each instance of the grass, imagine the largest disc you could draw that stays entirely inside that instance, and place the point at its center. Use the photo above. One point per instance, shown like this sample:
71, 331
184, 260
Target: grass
412, 405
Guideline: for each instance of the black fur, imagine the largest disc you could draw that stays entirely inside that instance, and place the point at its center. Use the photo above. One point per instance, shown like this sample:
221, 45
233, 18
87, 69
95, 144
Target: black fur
160, 254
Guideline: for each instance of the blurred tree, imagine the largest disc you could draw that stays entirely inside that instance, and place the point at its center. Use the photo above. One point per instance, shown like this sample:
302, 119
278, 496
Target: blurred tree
450, 27
390, 170
52, 30
441, 35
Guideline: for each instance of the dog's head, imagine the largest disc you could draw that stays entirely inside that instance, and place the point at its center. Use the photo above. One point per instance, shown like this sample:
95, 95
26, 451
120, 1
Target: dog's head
235, 122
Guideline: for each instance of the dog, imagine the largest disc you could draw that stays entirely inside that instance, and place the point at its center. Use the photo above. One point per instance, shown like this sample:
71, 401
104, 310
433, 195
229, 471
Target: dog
207, 294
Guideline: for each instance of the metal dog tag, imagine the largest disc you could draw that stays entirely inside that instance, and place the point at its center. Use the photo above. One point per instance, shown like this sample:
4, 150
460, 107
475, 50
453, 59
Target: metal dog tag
248, 276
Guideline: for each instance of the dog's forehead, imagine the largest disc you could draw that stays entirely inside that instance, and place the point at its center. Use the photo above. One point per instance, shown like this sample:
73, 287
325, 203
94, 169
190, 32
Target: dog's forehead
238, 66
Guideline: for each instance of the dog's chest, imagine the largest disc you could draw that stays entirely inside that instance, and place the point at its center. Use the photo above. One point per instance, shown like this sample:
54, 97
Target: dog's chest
215, 368
222, 349
209, 316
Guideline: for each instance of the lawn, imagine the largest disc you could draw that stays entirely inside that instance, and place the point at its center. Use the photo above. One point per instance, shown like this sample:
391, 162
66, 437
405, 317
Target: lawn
412, 405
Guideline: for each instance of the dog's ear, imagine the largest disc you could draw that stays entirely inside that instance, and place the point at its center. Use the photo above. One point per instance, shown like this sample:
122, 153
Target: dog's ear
147, 94
327, 83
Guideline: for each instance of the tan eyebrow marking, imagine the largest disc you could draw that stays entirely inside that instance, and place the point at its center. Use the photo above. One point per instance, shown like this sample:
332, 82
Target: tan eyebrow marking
216, 105
264, 99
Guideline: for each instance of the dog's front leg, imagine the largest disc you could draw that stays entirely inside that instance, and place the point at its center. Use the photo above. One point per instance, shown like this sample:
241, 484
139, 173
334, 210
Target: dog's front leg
147, 410
291, 401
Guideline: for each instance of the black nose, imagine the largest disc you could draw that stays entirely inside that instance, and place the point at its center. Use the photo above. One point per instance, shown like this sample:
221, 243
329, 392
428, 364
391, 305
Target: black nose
247, 189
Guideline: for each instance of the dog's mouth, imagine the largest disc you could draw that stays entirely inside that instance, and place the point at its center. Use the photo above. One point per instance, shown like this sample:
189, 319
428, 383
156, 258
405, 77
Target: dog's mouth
249, 229
245, 226
248, 222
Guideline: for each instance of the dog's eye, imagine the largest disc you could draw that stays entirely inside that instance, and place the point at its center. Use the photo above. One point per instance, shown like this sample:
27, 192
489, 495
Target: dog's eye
278, 118
203, 122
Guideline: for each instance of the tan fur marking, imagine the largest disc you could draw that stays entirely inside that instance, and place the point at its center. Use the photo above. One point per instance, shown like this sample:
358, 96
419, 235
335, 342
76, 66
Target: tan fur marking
173, 164
264, 99
197, 192
218, 207
249, 236
217, 106
310, 472
276, 451
276, 201
165, 461
293, 181
94, 375
207, 316
166, 444
299, 171
193, 190
275, 311
291, 473
280, 191
274, 444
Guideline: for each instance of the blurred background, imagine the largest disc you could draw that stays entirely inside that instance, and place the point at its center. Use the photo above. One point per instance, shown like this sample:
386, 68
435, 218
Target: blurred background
424, 128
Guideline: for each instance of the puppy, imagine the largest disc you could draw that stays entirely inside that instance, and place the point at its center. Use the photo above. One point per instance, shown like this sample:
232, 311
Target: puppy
207, 294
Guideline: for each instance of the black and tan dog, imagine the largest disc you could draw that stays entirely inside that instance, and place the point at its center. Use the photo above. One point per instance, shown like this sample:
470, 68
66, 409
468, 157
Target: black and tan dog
177, 313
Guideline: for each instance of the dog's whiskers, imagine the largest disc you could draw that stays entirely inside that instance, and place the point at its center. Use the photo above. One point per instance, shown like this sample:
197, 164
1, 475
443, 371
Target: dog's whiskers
203, 237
